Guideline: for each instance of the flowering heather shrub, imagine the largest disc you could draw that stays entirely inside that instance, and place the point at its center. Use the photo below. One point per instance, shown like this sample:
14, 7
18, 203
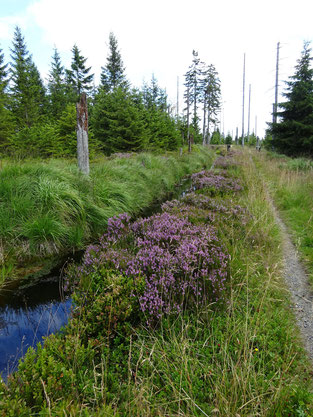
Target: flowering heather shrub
225, 162
181, 263
215, 183
122, 155
201, 208
173, 260
208, 203
194, 214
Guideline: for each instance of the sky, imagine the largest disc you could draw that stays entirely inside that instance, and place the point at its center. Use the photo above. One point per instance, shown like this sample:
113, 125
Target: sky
158, 37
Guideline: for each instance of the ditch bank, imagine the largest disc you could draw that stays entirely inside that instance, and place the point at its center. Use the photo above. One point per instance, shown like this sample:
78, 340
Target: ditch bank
48, 208
36, 306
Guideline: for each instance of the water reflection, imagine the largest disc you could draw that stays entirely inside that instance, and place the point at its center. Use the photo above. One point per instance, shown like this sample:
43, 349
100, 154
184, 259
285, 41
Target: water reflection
27, 314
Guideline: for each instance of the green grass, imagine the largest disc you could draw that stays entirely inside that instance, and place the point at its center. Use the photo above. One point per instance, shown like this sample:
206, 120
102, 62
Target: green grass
292, 191
243, 358
48, 208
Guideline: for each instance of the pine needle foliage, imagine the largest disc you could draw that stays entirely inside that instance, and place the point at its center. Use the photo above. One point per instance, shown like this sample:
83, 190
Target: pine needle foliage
293, 133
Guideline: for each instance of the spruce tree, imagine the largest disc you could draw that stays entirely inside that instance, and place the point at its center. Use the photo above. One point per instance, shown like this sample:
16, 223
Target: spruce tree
161, 127
154, 96
210, 98
293, 133
38, 90
57, 86
117, 122
193, 88
78, 78
6, 118
112, 75
4, 80
27, 91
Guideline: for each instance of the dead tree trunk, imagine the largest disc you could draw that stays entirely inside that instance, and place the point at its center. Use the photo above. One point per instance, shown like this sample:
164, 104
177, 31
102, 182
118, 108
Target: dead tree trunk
208, 128
82, 134
204, 123
188, 116
190, 142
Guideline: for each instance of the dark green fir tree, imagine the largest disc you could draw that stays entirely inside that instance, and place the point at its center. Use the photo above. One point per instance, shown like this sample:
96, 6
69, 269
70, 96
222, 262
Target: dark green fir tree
117, 122
6, 117
79, 79
27, 92
293, 133
57, 86
113, 74
161, 126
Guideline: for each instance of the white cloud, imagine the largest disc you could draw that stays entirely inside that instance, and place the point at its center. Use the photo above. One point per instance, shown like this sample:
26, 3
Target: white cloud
7, 25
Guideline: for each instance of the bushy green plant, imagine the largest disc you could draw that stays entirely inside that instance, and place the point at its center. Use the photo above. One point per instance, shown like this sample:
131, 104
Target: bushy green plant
50, 139
117, 123
299, 164
106, 302
50, 207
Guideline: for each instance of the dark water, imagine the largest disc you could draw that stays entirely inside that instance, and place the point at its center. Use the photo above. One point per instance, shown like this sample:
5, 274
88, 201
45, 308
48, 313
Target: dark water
27, 314
31, 309
180, 191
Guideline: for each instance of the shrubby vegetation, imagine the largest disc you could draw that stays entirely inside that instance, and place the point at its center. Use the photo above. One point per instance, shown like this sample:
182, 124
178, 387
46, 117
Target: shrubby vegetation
123, 356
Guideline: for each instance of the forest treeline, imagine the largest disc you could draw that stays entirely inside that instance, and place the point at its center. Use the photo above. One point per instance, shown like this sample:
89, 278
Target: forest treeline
39, 118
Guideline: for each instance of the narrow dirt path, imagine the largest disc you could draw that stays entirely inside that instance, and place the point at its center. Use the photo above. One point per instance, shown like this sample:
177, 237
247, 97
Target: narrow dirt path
297, 281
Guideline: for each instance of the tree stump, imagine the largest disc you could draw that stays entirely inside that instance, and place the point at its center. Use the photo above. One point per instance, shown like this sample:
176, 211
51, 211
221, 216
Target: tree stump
82, 134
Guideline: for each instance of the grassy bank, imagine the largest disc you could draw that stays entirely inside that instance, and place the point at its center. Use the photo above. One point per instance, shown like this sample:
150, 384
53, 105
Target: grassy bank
291, 185
48, 208
181, 314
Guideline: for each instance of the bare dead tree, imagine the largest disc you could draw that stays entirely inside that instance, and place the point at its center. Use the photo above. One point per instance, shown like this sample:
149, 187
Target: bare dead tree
82, 134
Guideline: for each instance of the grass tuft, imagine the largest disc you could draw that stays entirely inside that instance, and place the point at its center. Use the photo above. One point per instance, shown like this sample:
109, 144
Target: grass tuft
50, 207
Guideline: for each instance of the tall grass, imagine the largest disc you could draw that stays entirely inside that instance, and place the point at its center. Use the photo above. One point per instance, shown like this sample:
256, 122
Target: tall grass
50, 207
291, 186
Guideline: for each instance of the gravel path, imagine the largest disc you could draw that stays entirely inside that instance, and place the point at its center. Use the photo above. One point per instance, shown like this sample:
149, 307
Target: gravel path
301, 293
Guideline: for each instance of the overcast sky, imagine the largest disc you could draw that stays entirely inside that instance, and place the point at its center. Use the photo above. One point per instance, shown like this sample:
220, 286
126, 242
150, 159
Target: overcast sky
158, 38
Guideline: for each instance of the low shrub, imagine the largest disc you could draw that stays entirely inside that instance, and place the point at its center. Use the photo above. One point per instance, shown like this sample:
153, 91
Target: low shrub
215, 183
181, 263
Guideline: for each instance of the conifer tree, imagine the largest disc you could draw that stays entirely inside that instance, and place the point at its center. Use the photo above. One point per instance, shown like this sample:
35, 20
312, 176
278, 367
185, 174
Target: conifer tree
4, 80
210, 98
6, 118
154, 97
57, 86
78, 78
112, 75
161, 127
27, 90
193, 86
293, 133
38, 90
117, 122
